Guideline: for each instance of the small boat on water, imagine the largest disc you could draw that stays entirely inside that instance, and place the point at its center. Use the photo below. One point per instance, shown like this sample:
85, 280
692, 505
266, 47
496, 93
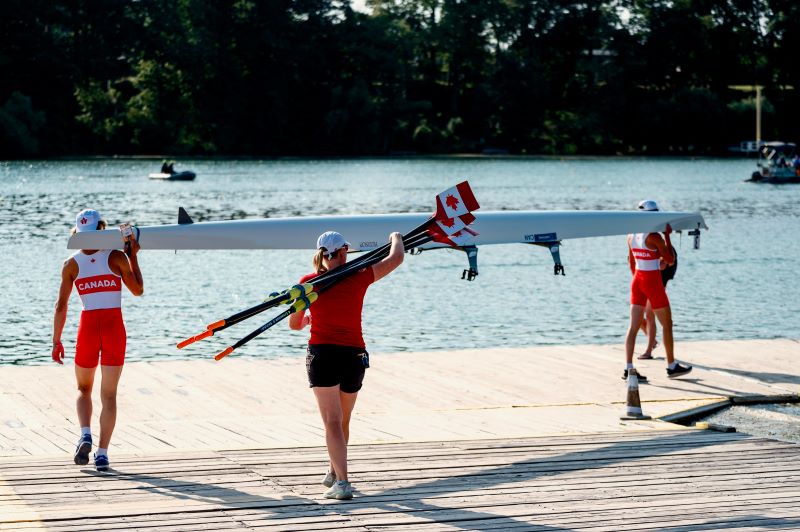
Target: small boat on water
777, 163
186, 175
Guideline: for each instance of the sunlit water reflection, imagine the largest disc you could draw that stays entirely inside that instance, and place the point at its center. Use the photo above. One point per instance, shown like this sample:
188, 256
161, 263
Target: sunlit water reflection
741, 284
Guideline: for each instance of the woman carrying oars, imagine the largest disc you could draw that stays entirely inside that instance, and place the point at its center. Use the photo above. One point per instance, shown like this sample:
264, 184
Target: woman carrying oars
337, 358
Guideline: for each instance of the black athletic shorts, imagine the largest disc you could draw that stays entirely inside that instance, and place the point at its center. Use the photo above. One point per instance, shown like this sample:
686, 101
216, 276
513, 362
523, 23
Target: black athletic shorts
329, 365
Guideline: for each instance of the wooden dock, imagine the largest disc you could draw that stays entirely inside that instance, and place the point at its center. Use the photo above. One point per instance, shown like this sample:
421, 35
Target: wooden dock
495, 439
675, 480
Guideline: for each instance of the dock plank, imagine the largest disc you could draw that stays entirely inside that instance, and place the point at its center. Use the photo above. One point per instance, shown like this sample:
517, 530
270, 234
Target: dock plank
599, 482
537, 448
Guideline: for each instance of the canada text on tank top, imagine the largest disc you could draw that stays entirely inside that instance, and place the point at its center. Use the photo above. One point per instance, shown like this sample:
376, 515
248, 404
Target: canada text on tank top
97, 285
647, 260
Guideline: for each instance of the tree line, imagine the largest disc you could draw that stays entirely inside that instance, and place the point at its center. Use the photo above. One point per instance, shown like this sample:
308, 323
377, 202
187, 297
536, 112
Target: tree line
318, 78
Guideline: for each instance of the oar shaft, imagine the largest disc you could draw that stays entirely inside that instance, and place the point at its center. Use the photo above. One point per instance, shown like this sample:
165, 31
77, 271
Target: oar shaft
301, 304
350, 267
290, 294
380, 251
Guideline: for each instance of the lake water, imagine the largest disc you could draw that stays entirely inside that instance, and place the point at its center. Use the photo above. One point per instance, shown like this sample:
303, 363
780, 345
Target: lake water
776, 421
742, 283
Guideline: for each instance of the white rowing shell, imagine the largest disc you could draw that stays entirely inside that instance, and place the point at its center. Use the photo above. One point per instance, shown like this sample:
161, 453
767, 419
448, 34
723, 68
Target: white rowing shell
365, 232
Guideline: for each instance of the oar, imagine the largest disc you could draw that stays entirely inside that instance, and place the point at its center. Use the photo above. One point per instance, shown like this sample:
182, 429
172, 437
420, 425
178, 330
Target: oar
297, 290
416, 237
301, 304
437, 227
305, 302
463, 214
350, 267
286, 296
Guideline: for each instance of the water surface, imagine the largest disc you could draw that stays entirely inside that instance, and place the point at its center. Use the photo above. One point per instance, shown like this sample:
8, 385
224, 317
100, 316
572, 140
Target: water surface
742, 283
776, 421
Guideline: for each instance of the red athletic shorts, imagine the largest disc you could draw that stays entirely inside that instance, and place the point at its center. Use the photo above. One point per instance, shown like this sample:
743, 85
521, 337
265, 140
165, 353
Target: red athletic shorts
100, 331
648, 285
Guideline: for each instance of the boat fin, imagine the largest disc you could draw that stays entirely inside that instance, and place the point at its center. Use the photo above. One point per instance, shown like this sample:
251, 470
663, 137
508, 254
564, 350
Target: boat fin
554, 248
472, 257
183, 217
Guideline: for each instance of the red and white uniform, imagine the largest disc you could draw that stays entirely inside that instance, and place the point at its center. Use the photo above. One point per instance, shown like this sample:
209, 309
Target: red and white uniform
101, 329
647, 282
647, 260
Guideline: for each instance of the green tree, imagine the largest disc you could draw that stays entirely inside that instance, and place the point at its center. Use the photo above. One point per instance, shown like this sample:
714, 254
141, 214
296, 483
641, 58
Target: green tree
20, 127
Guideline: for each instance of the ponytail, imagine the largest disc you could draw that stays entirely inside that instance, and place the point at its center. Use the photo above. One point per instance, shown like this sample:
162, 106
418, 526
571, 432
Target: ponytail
319, 267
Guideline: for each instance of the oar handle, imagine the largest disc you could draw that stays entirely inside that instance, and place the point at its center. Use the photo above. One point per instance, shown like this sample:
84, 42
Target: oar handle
222, 354
193, 339
216, 325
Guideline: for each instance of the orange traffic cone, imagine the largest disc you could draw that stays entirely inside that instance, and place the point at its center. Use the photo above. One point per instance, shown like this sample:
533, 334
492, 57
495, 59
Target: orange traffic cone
633, 404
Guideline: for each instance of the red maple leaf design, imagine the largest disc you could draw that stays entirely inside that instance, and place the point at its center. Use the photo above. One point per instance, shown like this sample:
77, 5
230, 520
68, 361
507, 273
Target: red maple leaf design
458, 234
83, 221
451, 201
448, 222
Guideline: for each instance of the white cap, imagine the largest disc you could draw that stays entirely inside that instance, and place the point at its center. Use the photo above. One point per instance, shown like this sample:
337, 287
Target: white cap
331, 241
648, 205
87, 220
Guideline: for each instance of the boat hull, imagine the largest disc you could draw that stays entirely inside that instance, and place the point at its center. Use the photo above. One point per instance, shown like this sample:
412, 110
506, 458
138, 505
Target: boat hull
776, 176
367, 232
186, 175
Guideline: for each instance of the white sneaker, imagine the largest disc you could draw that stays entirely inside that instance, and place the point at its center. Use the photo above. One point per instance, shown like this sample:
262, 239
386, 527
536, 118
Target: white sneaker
329, 479
341, 490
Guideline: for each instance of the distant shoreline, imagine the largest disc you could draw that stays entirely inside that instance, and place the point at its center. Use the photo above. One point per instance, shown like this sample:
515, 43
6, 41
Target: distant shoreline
450, 156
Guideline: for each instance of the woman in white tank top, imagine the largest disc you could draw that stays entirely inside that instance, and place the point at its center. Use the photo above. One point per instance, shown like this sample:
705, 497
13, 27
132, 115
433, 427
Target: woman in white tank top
98, 276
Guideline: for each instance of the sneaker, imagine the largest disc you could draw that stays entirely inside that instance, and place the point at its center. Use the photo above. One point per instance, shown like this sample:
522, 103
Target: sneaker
329, 479
678, 371
83, 449
642, 378
101, 462
341, 490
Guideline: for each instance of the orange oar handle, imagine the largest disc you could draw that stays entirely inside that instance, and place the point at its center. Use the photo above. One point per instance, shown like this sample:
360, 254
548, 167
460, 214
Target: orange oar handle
223, 354
186, 342
215, 325
193, 339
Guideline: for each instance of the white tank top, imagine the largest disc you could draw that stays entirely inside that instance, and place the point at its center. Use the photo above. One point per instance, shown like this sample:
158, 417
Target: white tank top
647, 260
98, 286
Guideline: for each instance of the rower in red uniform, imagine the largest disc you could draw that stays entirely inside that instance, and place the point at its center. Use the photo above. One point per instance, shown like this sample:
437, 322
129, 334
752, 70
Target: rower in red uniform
98, 277
645, 253
336, 358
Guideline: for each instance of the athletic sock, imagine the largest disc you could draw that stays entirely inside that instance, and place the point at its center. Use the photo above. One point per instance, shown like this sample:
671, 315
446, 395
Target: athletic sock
629, 365
101, 452
85, 431
672, 366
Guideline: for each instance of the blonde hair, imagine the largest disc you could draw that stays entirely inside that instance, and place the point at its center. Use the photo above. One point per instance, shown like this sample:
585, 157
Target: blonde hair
319, 267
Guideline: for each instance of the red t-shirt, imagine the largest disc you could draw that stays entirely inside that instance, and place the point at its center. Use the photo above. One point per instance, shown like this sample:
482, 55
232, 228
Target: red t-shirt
336, 314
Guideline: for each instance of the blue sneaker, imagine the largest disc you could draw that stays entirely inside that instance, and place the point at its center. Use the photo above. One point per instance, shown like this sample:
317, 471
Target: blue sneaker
101, 462
83, 449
